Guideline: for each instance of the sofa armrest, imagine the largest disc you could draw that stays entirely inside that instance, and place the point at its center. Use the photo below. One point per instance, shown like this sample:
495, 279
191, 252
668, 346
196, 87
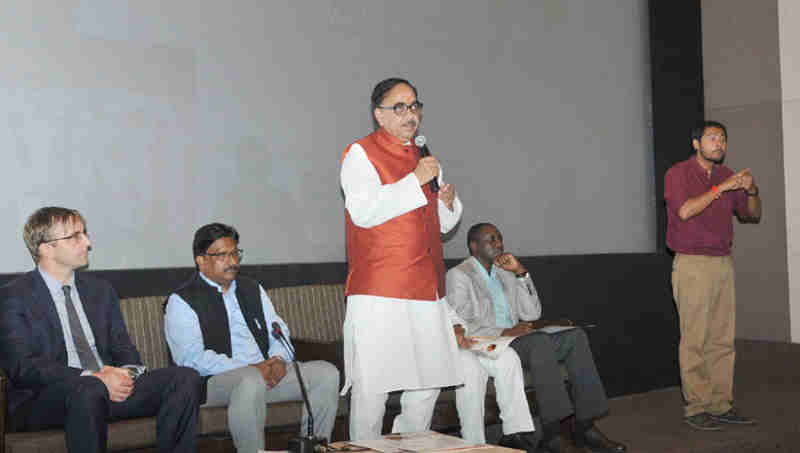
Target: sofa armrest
332, 352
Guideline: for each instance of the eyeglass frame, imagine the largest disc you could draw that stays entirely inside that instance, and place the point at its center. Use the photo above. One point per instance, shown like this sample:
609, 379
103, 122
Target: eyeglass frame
721, 138
72, 236
236, 253
401, 108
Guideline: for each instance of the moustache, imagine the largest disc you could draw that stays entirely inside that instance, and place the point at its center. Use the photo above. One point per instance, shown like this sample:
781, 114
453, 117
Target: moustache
232, 268
411, 123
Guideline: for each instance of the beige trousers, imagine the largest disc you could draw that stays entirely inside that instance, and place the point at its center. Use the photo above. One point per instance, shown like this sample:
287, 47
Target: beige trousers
705, 295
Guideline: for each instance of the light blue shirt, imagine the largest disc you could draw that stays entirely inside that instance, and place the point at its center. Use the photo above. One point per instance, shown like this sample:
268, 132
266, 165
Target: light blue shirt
185, 339
54, 286
501, 312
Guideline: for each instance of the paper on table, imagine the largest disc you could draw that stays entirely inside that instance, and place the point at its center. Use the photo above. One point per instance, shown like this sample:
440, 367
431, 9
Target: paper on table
424, 442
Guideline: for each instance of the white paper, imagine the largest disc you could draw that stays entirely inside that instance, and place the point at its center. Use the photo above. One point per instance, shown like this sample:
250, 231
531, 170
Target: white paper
492, 347
554, 329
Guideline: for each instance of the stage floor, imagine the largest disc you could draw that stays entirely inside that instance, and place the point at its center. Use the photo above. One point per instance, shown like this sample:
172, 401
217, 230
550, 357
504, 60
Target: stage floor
766, 386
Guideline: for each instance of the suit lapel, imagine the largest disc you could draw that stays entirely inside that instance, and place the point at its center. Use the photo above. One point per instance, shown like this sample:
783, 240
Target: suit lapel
477, 277
45, 307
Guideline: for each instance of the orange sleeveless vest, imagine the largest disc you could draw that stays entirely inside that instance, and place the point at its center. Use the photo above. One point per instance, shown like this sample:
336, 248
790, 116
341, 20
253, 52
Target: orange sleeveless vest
401, 258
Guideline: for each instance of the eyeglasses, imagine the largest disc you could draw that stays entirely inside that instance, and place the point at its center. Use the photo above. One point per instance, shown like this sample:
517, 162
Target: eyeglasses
235, 254
401, 108
716, 137
74, 236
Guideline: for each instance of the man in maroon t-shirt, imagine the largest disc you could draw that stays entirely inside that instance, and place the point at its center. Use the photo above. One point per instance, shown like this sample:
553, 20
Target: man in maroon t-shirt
702, 195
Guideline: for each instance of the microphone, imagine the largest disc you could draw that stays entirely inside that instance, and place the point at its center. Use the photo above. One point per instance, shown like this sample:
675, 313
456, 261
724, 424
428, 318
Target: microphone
277, 333
298, 444
420, 140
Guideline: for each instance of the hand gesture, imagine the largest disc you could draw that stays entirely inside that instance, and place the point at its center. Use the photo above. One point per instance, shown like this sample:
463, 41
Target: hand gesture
272, 370
510, 263
748, 183
427, 169
118, 382
463, 341
447, 194
737, 181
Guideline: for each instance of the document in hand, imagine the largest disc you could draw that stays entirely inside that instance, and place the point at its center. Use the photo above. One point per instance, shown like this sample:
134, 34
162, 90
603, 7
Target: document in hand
491, 347
553, 329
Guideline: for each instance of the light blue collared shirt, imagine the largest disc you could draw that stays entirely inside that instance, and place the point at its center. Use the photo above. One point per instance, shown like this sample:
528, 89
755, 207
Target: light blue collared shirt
185, 339
501, 312
54, 286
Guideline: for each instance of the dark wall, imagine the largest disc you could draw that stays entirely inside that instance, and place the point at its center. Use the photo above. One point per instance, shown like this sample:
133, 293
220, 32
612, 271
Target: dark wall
678, 101
629, 298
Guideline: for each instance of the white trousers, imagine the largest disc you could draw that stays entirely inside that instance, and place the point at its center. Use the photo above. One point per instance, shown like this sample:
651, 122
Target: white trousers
509, 391
367, 411
419, 355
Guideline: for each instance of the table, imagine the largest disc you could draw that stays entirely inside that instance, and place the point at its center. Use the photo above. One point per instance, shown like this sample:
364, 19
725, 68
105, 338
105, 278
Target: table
345, 446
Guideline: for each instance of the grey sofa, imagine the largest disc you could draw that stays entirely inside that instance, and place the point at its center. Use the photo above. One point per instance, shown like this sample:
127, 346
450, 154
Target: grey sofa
314, 313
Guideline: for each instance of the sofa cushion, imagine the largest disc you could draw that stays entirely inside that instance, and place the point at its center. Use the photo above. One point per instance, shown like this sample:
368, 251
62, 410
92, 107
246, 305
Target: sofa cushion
144, 317
214, 420
313, 312
122, 436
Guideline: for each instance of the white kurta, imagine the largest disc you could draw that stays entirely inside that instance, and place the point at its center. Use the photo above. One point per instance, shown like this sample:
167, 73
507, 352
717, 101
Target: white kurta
395, 344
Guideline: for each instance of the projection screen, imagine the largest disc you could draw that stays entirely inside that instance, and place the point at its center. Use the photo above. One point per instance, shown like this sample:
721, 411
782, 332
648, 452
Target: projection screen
155, 117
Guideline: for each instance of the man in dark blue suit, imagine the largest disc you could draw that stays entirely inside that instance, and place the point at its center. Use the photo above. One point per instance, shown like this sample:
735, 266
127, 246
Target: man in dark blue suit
63, 345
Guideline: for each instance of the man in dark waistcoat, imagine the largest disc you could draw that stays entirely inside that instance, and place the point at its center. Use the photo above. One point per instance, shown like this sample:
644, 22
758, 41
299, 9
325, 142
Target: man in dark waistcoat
221, 324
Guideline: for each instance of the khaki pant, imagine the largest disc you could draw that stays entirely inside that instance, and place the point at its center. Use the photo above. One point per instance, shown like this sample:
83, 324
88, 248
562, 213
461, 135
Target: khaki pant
704, 291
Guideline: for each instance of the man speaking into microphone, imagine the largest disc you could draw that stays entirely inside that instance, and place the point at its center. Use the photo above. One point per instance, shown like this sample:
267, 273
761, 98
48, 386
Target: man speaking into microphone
398, 333
224, 326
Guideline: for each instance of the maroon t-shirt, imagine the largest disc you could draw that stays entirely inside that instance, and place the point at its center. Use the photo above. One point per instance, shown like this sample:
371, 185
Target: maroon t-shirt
710, 232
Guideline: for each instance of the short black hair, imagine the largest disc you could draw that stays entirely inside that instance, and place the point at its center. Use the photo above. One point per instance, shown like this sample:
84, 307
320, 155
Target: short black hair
208, 234
700, 129
381, 90
474, 231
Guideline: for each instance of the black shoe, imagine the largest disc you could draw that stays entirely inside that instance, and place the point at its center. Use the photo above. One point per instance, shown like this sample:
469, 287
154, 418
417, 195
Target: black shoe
703, 422
732, 417
521, 441
594, 440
